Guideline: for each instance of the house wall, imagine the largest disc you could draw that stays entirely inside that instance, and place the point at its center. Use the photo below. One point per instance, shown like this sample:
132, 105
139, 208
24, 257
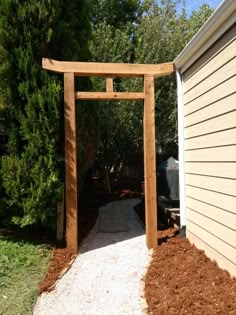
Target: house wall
209, 95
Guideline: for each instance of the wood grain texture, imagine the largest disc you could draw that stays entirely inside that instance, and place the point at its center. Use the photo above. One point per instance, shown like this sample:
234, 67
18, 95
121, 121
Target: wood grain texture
71, 164
109, 84
108, 69
150, 162
100, 96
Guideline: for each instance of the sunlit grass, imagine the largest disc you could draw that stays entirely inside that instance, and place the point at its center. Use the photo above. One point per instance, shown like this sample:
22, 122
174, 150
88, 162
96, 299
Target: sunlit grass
22, 268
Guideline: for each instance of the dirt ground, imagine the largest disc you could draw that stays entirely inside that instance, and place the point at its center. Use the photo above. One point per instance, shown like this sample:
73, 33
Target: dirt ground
180, 279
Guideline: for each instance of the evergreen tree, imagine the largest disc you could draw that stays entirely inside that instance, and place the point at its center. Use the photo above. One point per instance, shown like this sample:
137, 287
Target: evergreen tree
32, 169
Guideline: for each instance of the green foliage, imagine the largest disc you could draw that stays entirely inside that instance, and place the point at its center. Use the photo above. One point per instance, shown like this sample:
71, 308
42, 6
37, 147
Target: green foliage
32, 168
31, 105
152, 32
22, 268
198, 18
116, 13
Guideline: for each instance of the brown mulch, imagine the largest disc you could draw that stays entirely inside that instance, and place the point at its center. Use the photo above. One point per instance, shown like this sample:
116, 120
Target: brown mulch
60, 260
182, 280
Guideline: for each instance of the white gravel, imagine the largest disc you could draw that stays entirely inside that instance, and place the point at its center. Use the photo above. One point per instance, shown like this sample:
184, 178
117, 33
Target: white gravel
105, 277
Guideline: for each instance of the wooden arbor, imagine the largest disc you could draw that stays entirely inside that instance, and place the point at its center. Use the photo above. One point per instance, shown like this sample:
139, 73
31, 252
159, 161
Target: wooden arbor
148, 72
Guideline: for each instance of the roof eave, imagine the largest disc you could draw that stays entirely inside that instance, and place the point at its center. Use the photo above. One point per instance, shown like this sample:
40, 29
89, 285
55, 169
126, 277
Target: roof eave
220, 15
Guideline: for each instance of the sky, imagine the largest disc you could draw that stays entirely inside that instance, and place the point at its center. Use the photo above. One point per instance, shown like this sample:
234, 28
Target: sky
195, 4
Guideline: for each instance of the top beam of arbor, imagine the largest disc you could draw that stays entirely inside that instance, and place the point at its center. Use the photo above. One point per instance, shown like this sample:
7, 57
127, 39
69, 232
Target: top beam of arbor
108, 69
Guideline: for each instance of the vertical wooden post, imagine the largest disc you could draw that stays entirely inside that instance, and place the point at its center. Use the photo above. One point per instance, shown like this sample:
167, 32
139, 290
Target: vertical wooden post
70, 164
150, 161
109, 84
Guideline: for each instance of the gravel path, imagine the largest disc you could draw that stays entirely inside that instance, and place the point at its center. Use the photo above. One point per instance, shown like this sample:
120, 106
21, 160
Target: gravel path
105, 277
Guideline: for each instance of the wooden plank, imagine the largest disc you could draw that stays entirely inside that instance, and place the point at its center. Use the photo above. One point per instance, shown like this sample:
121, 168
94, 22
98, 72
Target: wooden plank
221, 185
213, 241
109, 96
218, 154
213, 254
109, 84
213, 198
222, 57
214, 95
220, 230
108, 69
220, 215
150, 162
227, 170
219, 108
71, 164
223, 122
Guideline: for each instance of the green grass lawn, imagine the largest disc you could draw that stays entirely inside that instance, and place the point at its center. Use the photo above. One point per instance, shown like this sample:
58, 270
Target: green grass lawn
22, 267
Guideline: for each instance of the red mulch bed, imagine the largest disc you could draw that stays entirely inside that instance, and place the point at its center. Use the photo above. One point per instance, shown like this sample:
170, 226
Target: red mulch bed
60, 260
182, 280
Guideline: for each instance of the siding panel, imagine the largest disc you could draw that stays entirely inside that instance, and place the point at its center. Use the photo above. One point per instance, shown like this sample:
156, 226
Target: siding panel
223, 248
224, 56
215, 139
219, 108
213, 125
216, 199
219, 154
221, 231
225, 170
222, 74
214, 95
210, 150
221, 260
221, 185
213, 212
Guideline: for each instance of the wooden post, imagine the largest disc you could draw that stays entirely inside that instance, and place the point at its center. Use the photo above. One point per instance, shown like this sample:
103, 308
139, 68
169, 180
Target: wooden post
109, 84
70, 164
150, 162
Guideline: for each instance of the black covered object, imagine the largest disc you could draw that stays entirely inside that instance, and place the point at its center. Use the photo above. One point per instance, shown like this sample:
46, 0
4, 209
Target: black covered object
168, 179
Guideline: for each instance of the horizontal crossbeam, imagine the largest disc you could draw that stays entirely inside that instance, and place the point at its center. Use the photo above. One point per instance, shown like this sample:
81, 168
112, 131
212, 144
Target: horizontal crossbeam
109, 96
108, 69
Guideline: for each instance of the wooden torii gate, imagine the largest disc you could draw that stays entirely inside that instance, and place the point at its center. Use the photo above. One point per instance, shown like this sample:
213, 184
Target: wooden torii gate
109, 71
